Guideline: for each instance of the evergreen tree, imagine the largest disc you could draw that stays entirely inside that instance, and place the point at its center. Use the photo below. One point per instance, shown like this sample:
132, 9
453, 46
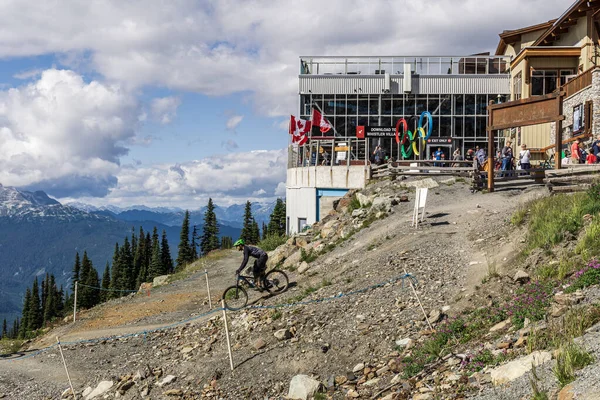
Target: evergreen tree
193, 244
138, 258
25, 314
115, 279
277, 219
265, 231
4, 329
148, 251
165, 254
126, 261
75, 275
184, 253
210, 231
255, 233
226, 242
50, 303
35, 310
156, 268
15, 329
60, 306
246, 234
105, 294
90, 295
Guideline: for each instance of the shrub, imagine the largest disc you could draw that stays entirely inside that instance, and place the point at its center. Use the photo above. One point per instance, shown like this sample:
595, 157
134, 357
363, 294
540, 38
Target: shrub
354, 204
589, 245
571, 357
308, 256
271, 242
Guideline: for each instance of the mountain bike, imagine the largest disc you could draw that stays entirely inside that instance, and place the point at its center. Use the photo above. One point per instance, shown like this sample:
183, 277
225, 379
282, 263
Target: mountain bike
236, 297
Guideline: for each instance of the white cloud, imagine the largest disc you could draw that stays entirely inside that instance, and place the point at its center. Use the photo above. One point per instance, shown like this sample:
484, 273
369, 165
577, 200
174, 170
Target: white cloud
280, 190
64, 135
164, 109
233, 122
228, 177
232, 46
32, 73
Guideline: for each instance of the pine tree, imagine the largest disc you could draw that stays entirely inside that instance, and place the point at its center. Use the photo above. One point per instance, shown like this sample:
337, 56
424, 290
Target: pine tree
277, 219
265, 231
4, 329
210, 231
115, 279
148, 251
138, 258
90, 295
226, 242
246, 234
25, 314
16, 328
126, 261
105, 294
156, 268
165, 254
75, 275
255, 238
35, 311
193, 244
184, 253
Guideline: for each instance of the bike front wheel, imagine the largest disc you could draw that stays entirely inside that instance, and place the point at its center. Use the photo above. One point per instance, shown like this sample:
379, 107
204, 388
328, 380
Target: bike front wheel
235, 298
276, 281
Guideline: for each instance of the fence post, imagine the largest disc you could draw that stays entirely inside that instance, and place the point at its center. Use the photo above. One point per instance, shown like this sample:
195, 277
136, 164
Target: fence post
208, 289
66, 369
227, 334
419, 300
75, 303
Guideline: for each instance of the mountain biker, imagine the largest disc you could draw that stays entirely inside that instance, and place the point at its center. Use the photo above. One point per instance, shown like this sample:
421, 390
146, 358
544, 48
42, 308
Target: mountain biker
260, 265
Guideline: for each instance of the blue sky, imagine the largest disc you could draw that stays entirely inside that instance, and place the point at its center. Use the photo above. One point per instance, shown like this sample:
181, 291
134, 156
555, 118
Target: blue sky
169, 103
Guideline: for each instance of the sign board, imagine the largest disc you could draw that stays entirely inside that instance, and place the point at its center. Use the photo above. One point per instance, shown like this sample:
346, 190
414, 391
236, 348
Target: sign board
375, 131
439, 140
525, 112
420, 202
341, 148
341, 155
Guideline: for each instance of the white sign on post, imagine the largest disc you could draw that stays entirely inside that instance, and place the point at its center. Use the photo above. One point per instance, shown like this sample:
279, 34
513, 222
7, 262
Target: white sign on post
419, 211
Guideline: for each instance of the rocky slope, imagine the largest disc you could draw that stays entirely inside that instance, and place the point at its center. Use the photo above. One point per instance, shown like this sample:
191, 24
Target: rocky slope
343, 328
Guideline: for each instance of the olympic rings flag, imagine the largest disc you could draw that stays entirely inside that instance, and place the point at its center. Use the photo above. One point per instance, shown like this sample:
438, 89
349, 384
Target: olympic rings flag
412, 137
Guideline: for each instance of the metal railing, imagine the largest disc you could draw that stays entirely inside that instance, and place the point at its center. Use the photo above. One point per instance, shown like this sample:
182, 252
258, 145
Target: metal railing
394, 65
329, 152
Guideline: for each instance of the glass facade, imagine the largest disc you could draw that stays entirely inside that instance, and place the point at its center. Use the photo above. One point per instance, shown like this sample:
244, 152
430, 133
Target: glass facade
462, 118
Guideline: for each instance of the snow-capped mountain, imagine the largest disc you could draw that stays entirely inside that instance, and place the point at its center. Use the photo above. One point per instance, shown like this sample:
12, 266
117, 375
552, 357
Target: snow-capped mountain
20, 204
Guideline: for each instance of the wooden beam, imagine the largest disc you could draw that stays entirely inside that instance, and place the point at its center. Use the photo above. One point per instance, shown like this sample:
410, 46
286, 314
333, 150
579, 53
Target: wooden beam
558, 136
490, 159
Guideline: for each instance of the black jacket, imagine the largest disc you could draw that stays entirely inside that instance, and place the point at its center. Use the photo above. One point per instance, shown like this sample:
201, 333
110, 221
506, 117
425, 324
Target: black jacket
251, 251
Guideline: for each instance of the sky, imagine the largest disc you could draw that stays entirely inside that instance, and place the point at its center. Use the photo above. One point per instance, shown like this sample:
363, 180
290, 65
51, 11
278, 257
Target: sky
168, 103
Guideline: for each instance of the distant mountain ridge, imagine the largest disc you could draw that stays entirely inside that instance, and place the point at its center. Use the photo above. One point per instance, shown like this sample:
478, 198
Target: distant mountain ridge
38, 234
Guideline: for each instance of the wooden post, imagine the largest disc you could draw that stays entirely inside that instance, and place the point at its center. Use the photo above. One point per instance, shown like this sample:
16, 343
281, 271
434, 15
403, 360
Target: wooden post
208, 290
558, 135
75, 303
227, 334
418, 300
491, 162
66, 369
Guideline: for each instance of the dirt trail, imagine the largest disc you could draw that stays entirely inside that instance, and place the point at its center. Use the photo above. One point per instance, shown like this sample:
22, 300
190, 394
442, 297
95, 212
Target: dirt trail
166, 305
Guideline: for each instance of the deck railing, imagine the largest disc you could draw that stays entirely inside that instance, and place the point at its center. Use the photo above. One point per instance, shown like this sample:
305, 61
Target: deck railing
579, 83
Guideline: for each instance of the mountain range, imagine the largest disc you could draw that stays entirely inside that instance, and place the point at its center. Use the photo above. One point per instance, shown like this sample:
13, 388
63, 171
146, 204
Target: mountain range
40, 235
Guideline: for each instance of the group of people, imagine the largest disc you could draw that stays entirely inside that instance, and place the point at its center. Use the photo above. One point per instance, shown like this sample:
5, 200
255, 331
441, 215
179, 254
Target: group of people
505, 158
581, 155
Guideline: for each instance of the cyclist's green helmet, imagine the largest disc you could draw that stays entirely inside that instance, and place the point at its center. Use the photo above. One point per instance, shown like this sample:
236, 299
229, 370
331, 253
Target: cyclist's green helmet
240, 242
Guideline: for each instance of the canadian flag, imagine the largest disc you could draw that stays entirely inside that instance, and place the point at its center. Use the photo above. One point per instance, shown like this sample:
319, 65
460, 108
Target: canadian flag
299, 129
320, 121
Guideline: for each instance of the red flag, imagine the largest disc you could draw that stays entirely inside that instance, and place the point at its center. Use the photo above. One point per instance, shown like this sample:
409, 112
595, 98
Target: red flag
299, 129
320, 121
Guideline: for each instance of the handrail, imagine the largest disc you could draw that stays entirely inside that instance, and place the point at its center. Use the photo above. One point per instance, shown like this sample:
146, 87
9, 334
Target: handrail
578, 83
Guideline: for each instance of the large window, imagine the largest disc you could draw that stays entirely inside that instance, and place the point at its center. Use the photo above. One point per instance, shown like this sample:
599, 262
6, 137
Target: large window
543, 81
517, 86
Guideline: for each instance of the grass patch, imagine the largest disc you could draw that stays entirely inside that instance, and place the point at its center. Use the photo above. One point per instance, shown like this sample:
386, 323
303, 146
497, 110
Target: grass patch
571, 357
271, 242
560, 271
589, 245
518, 217
10, 346
354, 204
275, 315
551, 218
308, 256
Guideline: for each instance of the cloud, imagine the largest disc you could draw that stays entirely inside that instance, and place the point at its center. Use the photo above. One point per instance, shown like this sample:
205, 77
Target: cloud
280, 190
32, 73
164, 109
64, 135
232, 178
233, 122
236, 46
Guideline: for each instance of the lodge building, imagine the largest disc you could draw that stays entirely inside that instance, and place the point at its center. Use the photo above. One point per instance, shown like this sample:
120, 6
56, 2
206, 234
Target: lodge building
365, 97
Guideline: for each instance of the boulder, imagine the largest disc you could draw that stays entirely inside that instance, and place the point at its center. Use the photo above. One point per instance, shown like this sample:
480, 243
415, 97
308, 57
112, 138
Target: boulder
166, 380
568, 299
382, 204
292, 260
500, 326
517, 368
283, 334
259, 344
359, 213
304, 266
521, 277
280, 254
144, 287
102, 388
423, 183
329, 229
404, 342
363, 199
434, 316
160, 280
358, 367
303, 387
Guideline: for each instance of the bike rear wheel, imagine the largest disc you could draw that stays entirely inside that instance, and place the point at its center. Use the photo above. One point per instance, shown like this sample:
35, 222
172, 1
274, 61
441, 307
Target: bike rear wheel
235, 298
276, 281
